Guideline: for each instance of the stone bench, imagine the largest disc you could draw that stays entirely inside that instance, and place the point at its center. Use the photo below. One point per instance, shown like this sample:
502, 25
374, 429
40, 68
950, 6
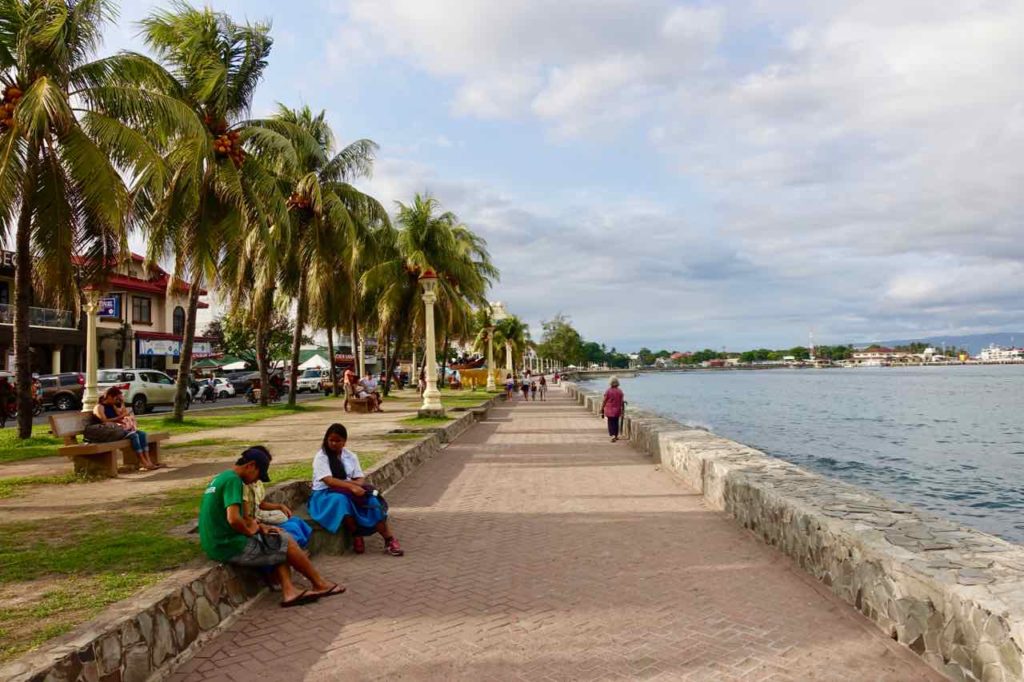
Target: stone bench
98, 459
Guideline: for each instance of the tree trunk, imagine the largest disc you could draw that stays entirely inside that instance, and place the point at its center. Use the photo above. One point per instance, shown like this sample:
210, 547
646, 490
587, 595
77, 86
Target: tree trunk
387, 358
444, 360
355, 348
185, 368
330, 352
22, 302
398, 351
300, 322
261, 364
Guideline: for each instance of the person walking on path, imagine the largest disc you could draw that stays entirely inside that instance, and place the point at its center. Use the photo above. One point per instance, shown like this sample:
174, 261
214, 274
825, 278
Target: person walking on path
611, 408
543, 388
226, 534
525, 386
510, 386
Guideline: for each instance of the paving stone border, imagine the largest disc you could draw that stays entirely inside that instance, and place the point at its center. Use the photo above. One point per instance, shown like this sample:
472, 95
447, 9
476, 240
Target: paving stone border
146, 636
952, 594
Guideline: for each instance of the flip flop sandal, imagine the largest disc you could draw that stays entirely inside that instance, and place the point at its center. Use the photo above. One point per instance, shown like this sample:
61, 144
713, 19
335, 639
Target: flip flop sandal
333, 590
304, 598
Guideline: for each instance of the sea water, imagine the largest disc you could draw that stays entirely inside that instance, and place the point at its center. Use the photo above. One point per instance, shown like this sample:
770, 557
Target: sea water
948, 439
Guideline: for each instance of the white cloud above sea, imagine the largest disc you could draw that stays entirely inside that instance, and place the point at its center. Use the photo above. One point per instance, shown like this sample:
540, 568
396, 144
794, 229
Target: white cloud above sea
860, 160
693, 174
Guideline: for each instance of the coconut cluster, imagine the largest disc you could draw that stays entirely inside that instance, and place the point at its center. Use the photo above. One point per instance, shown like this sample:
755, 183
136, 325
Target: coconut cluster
298, 201
12, 93
226, 143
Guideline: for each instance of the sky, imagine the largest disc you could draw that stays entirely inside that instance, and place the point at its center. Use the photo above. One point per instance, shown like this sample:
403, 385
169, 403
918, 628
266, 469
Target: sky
690, 174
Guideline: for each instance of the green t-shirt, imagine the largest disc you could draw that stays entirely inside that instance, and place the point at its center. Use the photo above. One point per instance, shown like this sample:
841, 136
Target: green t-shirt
220, 541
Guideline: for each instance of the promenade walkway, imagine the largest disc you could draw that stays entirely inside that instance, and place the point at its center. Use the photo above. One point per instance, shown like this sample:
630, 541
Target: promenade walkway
537, 550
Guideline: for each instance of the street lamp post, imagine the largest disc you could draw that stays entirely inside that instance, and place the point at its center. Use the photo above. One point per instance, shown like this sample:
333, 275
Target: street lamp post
490, 359
91, 396
432, 406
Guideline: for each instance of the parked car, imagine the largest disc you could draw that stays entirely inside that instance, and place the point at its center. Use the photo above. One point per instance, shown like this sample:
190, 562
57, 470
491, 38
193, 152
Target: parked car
62, 391
309, 380
143, 389
241, 381
224, 388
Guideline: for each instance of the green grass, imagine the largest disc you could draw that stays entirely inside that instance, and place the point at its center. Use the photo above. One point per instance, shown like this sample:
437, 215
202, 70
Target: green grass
41, 444
97, 559
15, 484
426, 421
214, 419
404, 436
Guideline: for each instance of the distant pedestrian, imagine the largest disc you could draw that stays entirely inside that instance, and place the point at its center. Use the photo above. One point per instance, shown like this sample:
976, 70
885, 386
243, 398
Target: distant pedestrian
611, 408
421, 384
533, 390
525, 386
510, 386
543, 388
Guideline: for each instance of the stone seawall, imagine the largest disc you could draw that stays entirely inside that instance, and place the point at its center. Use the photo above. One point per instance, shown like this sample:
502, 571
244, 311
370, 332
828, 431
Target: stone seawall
952, 594
148, 635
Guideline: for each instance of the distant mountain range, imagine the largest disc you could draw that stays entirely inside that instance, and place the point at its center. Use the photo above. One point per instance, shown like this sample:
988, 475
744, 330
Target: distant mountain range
973, 342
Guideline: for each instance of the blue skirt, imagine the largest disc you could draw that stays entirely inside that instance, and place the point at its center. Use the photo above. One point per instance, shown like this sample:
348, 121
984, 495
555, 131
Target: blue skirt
298, 529
329, 508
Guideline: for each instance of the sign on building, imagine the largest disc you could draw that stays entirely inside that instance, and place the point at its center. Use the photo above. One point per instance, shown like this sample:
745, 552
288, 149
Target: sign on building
110, 306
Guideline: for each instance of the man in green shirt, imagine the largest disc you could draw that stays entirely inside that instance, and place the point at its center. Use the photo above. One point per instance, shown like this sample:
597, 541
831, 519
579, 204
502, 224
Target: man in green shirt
229, 537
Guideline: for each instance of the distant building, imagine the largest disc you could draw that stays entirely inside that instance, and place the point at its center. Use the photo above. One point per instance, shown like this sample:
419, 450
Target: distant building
141, 323
996, 354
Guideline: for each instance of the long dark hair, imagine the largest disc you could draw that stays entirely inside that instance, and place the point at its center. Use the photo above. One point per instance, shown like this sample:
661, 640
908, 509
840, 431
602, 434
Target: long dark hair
334, 458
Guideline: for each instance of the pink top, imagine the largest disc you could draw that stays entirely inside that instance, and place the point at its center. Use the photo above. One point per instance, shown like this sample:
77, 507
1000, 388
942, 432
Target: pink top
613, 399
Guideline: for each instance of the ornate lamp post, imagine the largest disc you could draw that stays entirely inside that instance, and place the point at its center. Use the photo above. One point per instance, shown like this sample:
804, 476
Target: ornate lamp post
91, 396
497, 315
432, 406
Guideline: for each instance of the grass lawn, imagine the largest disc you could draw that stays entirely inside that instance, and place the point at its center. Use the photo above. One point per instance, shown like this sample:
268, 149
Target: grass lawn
58, 573
12, 485
426, 421
42, 444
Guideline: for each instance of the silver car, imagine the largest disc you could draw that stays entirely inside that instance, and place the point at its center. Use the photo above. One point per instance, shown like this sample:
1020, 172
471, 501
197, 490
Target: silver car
143, 389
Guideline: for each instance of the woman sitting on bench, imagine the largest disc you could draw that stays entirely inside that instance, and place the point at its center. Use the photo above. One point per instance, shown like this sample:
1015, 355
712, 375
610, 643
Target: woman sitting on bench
341, 495
111, 410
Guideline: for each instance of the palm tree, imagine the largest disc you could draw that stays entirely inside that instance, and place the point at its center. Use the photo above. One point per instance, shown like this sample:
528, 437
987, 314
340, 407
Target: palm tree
516, 335
325, 209
427, 239
219, 188
65, 131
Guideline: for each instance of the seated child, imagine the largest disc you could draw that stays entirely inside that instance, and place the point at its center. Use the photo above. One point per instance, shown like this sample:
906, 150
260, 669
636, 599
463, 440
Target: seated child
274, 514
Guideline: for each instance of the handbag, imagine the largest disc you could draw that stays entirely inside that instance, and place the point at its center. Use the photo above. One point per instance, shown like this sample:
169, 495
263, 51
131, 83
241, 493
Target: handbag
103, 433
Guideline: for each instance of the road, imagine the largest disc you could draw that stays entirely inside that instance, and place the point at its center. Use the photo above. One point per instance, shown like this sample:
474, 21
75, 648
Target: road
237, 401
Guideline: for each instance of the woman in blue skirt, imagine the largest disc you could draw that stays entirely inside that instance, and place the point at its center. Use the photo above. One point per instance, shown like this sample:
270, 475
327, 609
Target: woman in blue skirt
339, 498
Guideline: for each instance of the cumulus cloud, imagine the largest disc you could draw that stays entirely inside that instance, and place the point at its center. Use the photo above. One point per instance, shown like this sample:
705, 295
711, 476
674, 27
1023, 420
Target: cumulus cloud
865, 135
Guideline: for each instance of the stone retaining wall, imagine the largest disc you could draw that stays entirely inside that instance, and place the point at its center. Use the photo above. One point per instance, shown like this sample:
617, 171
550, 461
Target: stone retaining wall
954, 595
146, 636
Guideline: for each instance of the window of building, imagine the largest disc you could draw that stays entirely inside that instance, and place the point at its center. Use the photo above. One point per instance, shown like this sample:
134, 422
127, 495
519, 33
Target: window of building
142, 309
179, 320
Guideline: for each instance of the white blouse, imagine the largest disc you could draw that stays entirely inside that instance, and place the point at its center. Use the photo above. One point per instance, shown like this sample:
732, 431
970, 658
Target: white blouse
322, 467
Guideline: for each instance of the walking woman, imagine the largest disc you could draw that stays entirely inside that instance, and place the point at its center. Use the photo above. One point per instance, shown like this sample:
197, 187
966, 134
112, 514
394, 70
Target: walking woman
341, 497
611, 408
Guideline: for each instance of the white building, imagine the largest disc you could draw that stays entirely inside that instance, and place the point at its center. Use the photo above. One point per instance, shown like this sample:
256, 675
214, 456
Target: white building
996, 354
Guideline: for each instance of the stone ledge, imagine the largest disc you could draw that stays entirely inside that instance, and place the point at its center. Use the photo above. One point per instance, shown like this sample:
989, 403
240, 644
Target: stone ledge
953, 594
146, 636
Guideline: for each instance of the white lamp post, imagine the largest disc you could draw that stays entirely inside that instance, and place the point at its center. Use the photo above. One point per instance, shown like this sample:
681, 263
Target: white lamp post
498, 313
490, 359
432, 406
91, 396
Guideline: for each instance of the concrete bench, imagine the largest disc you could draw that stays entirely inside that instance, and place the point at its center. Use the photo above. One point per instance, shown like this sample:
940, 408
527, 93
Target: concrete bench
98, 459
354, 404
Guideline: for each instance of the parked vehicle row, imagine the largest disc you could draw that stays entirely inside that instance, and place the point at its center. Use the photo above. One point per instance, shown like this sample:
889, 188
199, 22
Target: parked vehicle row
143, 389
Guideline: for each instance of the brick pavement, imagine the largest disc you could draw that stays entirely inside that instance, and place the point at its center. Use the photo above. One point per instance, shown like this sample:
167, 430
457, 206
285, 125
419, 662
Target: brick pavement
537, 550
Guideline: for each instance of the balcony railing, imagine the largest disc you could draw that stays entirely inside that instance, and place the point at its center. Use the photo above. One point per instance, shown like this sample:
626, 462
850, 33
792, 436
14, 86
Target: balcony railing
41, 317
